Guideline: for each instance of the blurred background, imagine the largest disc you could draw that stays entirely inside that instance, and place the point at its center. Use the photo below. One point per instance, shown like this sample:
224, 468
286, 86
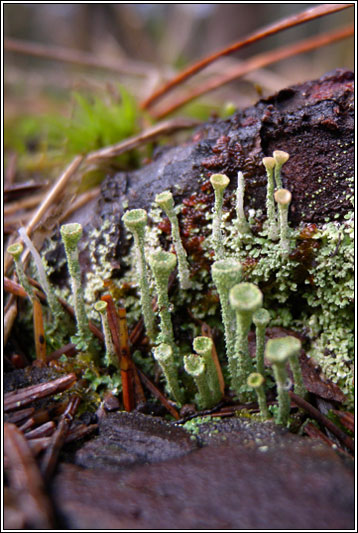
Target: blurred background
124, 51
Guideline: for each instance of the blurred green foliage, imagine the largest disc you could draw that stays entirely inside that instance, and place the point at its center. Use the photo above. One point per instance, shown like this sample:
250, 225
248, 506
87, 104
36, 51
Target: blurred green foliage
93, 124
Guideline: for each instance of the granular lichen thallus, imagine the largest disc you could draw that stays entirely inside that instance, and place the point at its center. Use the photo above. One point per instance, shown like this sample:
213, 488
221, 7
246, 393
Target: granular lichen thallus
256, 382
162, 265
163, 354
111, 356
195, 366
15, 250
166, 202
245, 298
261, 319
279, 352
204, 346
71, 234
283, 198
54, 305
219, 183
135, 221
272, 227
242, 224
226, 273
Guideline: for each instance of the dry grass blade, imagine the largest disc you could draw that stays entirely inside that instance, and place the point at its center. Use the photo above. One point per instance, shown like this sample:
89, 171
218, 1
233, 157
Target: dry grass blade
256, 62
54, 193
9, 319
163, 128
26, 480
289, 22
77, 57
159, 395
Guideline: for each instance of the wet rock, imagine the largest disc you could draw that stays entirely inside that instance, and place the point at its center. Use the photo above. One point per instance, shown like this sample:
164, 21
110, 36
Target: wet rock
129, 438
281, 484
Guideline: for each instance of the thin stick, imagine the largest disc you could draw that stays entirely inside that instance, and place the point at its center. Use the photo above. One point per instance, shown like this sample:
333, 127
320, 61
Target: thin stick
256, 62
289, 22
49, 461
157, 394
26, 480
148, 135
125, 363
70, 55
22, 397
25, 203
55, 191
9, 320
317, 415
39, 331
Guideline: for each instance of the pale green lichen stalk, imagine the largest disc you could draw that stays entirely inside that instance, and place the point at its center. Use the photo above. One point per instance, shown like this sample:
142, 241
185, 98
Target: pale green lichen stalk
242, 224
245, 298
162, 265
283, 198
280, 158
195, 366
226, 273
278, 352
55, 306
261, 319
204, 346
219, 183
293, 346
163, 354
71, 234
16, 250
256, 381
166, 202
110, 357
272, 226
135, 221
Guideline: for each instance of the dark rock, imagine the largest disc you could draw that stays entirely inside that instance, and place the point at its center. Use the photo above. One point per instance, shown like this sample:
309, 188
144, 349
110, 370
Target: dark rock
282, 482
128, 438
313, 122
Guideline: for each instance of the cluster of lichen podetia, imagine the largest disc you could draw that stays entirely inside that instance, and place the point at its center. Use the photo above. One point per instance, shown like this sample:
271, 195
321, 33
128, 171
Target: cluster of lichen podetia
241, 302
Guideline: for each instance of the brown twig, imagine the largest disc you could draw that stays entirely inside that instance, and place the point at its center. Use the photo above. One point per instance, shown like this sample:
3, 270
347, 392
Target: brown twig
312, 431
54, 193
19, 398
126, 363
254, 63
19, 416
42, 431
322, 419
164, 128
346, 419
39, 331
26, 480
68, 349
288, 22
157, 394
77, 57
49, 461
